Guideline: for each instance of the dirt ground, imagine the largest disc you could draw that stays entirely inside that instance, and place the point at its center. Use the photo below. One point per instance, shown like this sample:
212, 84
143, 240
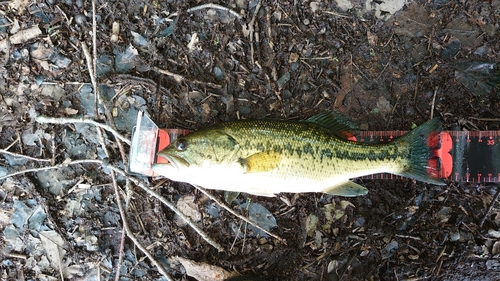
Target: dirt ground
384, 64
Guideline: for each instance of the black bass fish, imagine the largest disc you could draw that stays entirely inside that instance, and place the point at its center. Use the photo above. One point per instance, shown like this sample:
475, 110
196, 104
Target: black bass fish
265, 157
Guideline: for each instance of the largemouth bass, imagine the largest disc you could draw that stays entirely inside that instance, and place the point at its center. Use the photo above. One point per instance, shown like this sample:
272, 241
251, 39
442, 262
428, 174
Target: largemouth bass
265, 157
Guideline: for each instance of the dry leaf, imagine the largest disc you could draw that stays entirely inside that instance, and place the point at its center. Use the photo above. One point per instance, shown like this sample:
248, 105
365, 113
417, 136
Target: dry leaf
70, 111
346, 82
193, 42
384, 106
246, 30
205, 272
189, 208
372, 38
53, 244
18, 5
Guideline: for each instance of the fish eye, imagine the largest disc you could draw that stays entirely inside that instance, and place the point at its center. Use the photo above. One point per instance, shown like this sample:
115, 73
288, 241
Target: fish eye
180, 145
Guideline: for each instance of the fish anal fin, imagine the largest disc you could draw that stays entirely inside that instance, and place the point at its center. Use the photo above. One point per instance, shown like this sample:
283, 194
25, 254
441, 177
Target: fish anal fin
261, 162
347, 189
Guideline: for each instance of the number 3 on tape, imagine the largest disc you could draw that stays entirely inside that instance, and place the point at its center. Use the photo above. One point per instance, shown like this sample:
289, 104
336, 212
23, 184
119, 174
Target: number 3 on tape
440, 161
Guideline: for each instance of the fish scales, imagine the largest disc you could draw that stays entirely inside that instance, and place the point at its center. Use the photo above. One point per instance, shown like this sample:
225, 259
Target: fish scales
311, 150
265, 157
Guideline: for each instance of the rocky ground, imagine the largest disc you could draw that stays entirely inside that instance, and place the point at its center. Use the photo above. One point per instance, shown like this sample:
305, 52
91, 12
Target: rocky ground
387, 65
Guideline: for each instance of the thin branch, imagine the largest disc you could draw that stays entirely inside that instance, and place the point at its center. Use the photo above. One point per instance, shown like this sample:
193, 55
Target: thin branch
62, 165
23, 156
94, 43
130, 234
180, 214
14, 142
104, 147
434, 101
486, 119
88, 58
210, 6
251, 29
62, 120
383, 70
92, 67
180, 78
100, 99
490, 207
336, 14
214, 6
220, 203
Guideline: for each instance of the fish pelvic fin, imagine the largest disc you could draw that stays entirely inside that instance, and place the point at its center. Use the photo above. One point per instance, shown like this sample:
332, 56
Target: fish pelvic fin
347, 189
261, 162
421, 153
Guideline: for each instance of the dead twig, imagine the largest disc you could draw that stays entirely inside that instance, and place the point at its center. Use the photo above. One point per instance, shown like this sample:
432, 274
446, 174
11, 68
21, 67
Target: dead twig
131, 235
180, 78
94, 47
220, 203
62, 165
236, 237
336, 14
383, 70
251, 29
89, 60
179, 213
434, 101
102, 141
214, 6
486, 119
62, 120
210, 6
490, 207
361, 72
92, 67
23, 156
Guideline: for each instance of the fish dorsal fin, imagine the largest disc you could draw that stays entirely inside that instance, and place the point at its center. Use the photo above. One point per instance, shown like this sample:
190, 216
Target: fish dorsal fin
347, 189
340, 126
261, 162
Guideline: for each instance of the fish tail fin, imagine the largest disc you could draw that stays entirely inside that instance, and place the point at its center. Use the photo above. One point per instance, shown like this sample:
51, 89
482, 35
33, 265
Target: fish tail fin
420, 165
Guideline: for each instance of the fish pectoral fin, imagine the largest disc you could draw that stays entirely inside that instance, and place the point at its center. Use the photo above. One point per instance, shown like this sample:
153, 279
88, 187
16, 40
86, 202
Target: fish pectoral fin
261, 162
347, 189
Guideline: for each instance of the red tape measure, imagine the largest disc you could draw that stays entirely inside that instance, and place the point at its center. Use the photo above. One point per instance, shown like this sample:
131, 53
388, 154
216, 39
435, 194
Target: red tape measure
459, 156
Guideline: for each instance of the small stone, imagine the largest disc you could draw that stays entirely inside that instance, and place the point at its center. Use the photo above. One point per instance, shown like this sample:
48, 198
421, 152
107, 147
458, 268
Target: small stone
454, 236
80, 20
219, 75
492, 264
228, 64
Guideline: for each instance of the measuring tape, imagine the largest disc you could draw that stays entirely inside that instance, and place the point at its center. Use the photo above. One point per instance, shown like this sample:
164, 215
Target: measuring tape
461, 156
458, 156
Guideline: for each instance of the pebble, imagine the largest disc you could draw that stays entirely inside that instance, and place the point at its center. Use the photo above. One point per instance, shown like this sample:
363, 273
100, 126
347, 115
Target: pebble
219, 75
228, 64
80, 20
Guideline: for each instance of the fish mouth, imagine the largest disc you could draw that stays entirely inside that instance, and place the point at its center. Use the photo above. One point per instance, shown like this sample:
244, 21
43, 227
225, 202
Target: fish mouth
176, 161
